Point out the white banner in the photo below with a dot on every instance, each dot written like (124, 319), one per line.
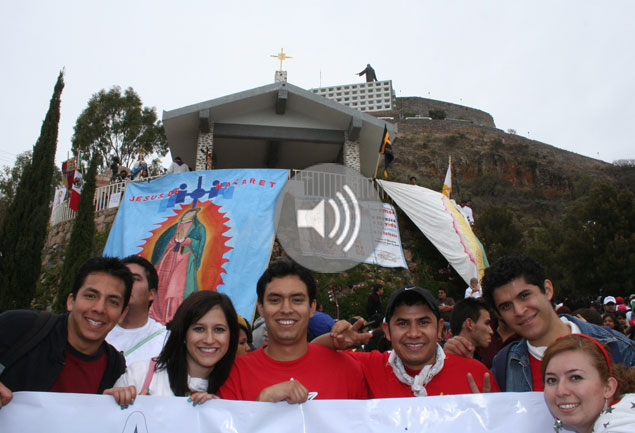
(58, 198)
(442, 223)
(387, 240)
(115, 200)
(378, 242)
(37, 412)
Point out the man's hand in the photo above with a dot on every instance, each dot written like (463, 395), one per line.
(459, 346)
(347, 335)
(290, 391)
(124, 395)
(487, 384)
(5, 395)
(344, 335)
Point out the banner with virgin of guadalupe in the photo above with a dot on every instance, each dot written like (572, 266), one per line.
(202, 230)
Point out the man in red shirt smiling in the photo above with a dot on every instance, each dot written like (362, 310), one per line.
(289, 368)
(417, 366)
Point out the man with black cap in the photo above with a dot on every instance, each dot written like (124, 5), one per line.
(417, 366)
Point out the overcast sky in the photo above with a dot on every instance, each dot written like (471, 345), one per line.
(561, 72)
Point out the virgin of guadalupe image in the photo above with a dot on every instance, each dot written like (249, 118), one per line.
(177, 256)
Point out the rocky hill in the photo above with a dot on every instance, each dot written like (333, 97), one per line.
(490, 165)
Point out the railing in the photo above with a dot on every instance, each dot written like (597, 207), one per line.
(316, 183)
(101, 201)
(322, 184)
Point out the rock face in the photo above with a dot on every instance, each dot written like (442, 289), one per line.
(481, 153)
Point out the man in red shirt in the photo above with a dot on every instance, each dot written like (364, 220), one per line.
(289, 368)
(417, 366)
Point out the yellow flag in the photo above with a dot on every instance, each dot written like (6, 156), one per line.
(447, 183)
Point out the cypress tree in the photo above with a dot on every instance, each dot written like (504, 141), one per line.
(80, 246)
(23, 230)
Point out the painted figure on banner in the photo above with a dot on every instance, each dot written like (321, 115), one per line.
(177, 257)
(191, 239)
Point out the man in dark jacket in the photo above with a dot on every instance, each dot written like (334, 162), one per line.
(73, 356)
(370, 74)
(373, 304)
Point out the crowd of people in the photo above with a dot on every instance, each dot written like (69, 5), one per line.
(505, 335)
(140, 170)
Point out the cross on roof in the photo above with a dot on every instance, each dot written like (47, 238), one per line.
(281, 56)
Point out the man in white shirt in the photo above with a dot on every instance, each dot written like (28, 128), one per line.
(137, 335)
(474, 289)
(467, 211)
(178, 166)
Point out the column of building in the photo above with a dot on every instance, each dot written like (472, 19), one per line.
(204, 149)
(351, 153)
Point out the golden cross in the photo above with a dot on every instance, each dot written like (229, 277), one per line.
(281, 56)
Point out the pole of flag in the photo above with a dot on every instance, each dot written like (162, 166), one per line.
(377, 166)
(385, 140)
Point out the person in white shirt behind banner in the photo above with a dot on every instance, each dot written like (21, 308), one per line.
(137, 335)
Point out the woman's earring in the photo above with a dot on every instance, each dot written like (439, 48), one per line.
(557, 425)
(606, 405)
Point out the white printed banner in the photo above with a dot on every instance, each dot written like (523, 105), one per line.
(36, 412)
(387, 241)
(115, 200)
(378, 242)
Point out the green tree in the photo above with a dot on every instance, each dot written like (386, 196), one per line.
(9, 180)
(23, 229)
(80, 245)
(10, 176)
(437, 114)
(499, 232)
(598, 243)
(542, 242)
(116, 124)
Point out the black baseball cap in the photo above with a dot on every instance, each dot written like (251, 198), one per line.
(425, 296)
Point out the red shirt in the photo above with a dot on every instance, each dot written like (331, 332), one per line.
(452, 379)
(82, 374)
(536, 374)
(328, 373)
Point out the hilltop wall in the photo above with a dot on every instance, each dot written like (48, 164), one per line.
(416, 106)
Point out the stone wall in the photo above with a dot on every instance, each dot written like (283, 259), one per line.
(415, 106)
(204, 151)
(351, 154)
(59, 235)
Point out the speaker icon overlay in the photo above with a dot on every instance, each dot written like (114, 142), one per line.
(315, 218)
(324, 217)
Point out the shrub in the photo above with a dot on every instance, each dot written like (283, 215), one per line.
(437, 114)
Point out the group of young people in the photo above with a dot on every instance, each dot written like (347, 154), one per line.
(198, 358)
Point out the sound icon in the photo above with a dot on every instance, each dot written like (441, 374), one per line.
(316, 218)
